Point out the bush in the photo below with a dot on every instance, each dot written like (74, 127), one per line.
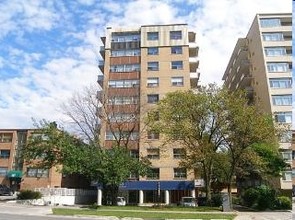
(266, 198)
(236, 200)
(216, 200)
(261, 198)
(283, 202)
(250, 197)
(28, 194)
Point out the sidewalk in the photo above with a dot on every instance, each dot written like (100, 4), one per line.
(13, 207)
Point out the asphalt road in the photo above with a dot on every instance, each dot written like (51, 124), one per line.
(32, 217)
(13, 211)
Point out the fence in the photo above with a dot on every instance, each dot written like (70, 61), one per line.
(65, 196)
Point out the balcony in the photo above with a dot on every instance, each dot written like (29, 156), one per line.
(245, 81)
(103, 40)
(191, 37)
(101, 65)
(193, 50)
(102, 51)
(194, 79)
(100, 80)
(193, 64)
(99, 96)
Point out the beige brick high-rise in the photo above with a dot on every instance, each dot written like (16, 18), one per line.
(140, 66)
(261, 63)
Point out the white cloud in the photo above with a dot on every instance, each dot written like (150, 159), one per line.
(219, 24)
(48, 77)
(18, 15)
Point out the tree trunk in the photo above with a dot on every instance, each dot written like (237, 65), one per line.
(207, 179)
(229, 188)
(114, 195)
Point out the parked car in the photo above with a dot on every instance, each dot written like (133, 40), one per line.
(121, 201)
(188, 201)
(5, 190)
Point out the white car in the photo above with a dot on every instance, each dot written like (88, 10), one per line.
(189, 201)
(121, 201)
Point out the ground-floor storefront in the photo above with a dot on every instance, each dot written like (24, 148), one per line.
(153, 192)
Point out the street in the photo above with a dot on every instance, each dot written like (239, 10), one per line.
(14, 211)
(50, 217)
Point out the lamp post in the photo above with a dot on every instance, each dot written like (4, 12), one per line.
(159, 192)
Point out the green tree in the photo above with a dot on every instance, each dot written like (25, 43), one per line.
(115, 167)
(50, 146)
(245, 125)
(194, 121)
(218, 129)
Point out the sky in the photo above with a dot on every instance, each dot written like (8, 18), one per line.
(50, 48)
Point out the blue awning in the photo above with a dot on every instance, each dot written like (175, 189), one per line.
(153, 185)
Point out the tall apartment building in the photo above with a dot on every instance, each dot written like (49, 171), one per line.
(261, 63)
(140, 65)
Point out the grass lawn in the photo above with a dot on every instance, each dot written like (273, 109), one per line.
(148, 212)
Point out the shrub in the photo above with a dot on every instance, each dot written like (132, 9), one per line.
(216, 200)
(250, 197)
(236, 200)
(283, 202)
(261, 197)
(28, 194)
(266, 198)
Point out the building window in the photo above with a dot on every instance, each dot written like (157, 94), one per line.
(153, 51)
(4, 154)
(134, 153)
(153, 153)
(153, 35)
(287, 155)
(176, 50)
(179, 173)
(124, 135)
(123, 83)
(123, 100)
(153, 98)
(125, 37)
(121, 53)
(176, 65)
(37, 172)
(122, 117)
(270, 22)
(273, 36)
(154, 173)
(177, 81)
(125, 68)
(175, 35)
(277, 67)
(283, 117)
(153, 82)
(6, 137)
(285, 137)
(178, 153)
(152, 135)
(287, 175)
(282, 100)
(280, 83)
(3, 171)
(153, 66)
(275, 51)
